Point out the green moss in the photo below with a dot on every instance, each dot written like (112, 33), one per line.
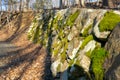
(88, 53)
(71, 19)
(98, 57)
(87, 39)
(85, 33)
(31, 32)
(65, 47)
(63, 57)
(55, 25)
(109, 21)
(55, 52)
(58, 67)
(71, 62)
(56, 49)
(36, 33)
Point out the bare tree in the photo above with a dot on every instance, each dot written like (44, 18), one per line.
(61, 5)
(82, 3)
(105, 2)
(27, 4)
(1, 11)
(110, 3)
(0, 5)
(77, 3)
(9, 4)
(20, 7)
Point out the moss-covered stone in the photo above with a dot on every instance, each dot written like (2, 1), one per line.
(109, 21)
(88, 53)
(39, 30)
(58, 29)
(86, 31)
(71, 19)
(86, 40)
(98, 57)
(35, 31)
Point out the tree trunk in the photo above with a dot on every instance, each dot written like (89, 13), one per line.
(82, 3)
(105, 3)
(61, 4)
(77, 3)
(0, 5)
(27, 4)
(1, 11)
(111, 3)
(20, 7)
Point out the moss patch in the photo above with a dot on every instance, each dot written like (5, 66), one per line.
(109, 21)
(88, 53)
(85, 33)
(98, 57)
(71, 19)
(85, 42)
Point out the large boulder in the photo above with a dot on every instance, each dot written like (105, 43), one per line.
(112, 63)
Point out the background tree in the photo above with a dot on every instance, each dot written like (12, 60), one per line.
(0, 11)
(20, 7)
(61, 4)
(110, 3)
(82, 3)
(0, 5)
(105, 2)
(27, 4)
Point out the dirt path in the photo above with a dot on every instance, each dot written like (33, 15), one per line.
(28, 62)
(21, 63)
(6, 47)
(20, 59)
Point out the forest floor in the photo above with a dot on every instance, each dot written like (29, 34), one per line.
(20, 59)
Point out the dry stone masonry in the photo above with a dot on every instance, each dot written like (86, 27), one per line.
(74, 39)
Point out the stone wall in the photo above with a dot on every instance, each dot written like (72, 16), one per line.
(74, 39)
